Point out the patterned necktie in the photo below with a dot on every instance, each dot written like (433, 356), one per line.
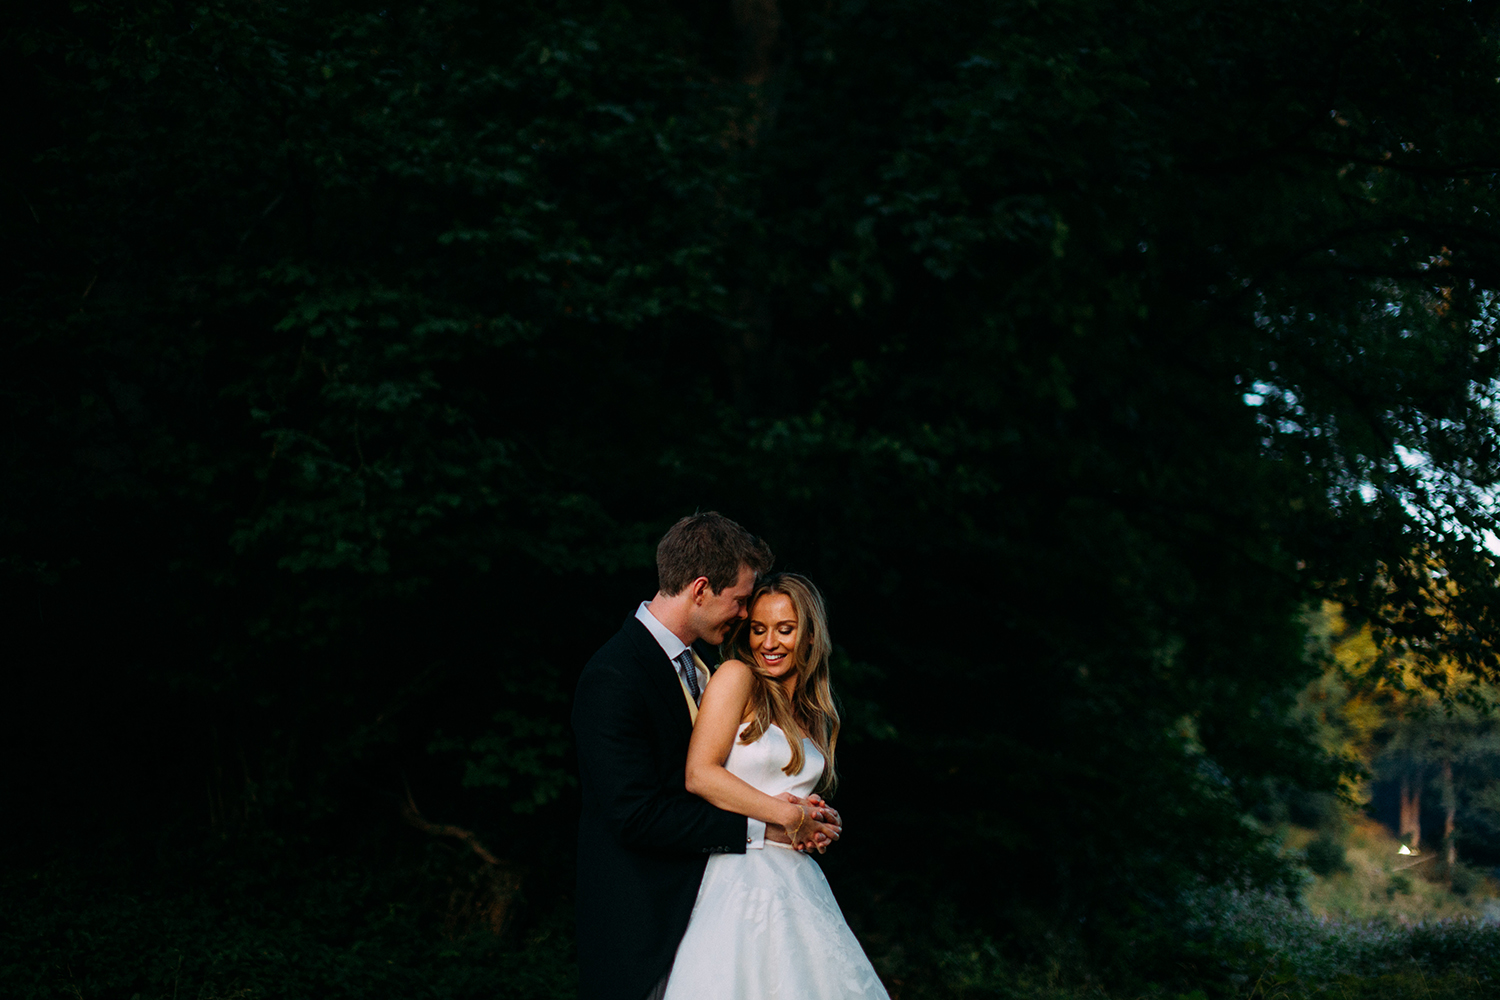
(690, 674)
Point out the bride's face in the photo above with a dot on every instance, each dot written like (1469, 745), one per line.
(773, 634)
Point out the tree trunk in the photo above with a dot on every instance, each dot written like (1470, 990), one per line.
(1450, 807)
(1411, 812)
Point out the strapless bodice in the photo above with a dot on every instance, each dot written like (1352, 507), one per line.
(760, 763)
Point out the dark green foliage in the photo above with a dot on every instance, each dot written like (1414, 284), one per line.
(266, 924)
(356, 357)
(1326, 856)
(1465, 879)
(1452, 986)
(273, 920)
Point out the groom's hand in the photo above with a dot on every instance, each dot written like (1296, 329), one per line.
(825, 812)
(831, 824)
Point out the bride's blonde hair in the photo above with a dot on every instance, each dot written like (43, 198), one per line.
(812, 704)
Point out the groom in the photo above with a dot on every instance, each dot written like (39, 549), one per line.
(643, 841)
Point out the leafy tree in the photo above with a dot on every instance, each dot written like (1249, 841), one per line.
(1385, 714)
(1343, 710)
(359, 356)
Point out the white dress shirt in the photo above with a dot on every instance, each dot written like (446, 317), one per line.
(755, 830)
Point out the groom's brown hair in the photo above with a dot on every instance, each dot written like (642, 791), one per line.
(711, 545)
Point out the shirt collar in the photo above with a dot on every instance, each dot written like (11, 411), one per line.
(669, 643)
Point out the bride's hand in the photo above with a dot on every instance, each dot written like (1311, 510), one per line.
(820, 811)
(830, 824)
(826, 812)
(804, 830)
(817, 835)
(817, 808)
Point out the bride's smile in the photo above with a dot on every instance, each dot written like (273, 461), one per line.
(773, 634)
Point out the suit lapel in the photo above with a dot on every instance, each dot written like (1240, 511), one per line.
(702, 651)
(661, 673)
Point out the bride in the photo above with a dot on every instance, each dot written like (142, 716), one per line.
(765, 923)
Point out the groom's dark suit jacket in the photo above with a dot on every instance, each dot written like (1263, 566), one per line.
(643, 840)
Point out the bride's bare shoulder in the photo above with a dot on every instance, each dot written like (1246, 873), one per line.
(735, 679)
(734, 671)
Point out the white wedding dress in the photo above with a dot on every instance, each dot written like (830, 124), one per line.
(765, 924)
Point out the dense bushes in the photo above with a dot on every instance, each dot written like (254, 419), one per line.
(259, 921)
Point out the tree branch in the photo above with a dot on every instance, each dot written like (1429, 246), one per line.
(410, 813)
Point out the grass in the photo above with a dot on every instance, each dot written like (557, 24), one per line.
(1382, 884)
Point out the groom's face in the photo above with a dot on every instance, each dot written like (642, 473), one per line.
(715, 614)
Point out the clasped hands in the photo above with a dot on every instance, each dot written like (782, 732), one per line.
(816, 824)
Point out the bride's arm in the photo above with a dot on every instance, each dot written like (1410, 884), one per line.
(718, 724)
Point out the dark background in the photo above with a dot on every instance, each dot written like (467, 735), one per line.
(357, 356)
